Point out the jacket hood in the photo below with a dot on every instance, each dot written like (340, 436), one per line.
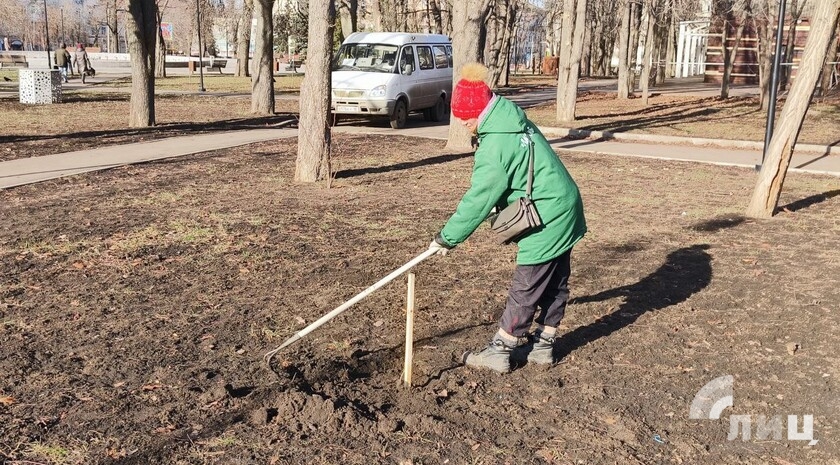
(504, 117)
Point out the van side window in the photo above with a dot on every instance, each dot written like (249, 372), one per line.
(441, 60)
(407, 59)
(424, 54)
(449, 54)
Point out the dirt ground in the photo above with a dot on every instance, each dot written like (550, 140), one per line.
(136, 305)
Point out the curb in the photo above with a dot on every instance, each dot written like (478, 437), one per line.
(722, 143)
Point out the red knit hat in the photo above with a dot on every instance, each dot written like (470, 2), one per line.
(471, 93)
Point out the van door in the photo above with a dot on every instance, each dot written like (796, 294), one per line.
(427, 76)
(408, 76)
(443, 65)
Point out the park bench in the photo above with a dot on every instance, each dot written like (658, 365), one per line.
(214, 63)
(13, 60)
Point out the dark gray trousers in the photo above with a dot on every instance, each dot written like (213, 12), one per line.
(544, 286)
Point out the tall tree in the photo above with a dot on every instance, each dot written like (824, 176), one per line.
(740, 11)
(142, 39)
(762, 20)
(160, 45)
(625, 89)
(348, 11)
(568, 73)
(467, 23)
(314, 135)
(777, 159)
(243, 39)
(650, 43)
(111, 7)
(833, 51)
(499, 25)
(262, 82)
(795, 10)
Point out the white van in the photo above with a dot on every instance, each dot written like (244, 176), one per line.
(392, 74)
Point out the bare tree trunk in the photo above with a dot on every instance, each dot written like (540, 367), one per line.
(568, 73)
(586, 52)
(142, 38)
(160, 50)
(765, 47)
(772, 175)
(833, 50)
(504, 57)
(314, 135)
(786, 71)
(671, 52)
(113, 29)
(496, 28)
(243, 39)
(650, 41)
(436, 19)
(348, 12)
(467, 22)
(624, 90)
(665, 34)
(633, 48)
(729, 57)
(599, 42)
(262, 82)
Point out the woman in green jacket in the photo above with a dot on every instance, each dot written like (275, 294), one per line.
(499, 177)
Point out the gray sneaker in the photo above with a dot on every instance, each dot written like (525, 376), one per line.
(538, 350)
(496, 356)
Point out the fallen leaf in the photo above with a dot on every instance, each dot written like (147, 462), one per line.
(78, 265)
(7, 400)
(300, 320)
(151, 387)
(378, 323)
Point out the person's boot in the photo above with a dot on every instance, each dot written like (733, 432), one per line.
(539, 350)
(542, 349)
(496, 356)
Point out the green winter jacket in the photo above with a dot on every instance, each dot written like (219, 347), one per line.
(499, 177)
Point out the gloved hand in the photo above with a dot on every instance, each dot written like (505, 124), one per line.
(438, 246)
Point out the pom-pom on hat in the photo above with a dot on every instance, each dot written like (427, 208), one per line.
(471, 93)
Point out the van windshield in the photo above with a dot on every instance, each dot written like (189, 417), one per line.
(366, 57)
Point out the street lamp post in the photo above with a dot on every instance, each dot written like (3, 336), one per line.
(200, 48)
(774, 83)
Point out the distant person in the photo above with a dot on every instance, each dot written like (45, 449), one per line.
(62, 61)
(81, 61)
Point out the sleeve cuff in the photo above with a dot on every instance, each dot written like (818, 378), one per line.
(440, 240)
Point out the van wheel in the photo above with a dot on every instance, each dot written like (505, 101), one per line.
(438, 112)
(400, 115)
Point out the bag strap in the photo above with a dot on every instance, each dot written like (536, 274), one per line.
(530, 166)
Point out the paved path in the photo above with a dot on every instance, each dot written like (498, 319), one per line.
(35, 169)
